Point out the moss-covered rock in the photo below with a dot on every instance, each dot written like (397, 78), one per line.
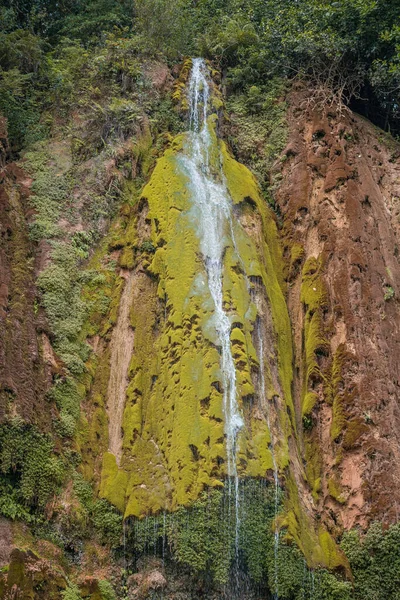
(173, 443)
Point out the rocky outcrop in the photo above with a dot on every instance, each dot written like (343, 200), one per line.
(339, 199)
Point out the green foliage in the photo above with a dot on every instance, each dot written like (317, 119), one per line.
(10, 503)
(20, 57)
(60, 287)
(203, 536)
(375, 562)
(71, 593)
(106, 590)
(389, 293)
(147, 246)
(21, 50)
(20, 108)
(342, 46)
(108, 84)
(66, 425)
(30, 473)
(94, 17)
(104, 518)
(256, 533)
(228, 38)
(258, 118)
(95, 46)
(50, 192)
(76, 18)
(165, 25)
(65, 395)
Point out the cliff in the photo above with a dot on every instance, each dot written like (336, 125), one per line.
(110, 365)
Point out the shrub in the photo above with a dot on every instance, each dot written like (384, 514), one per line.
(28, 464)
(106, 590)
(71, 593)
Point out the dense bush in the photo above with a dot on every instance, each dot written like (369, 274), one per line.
(53, 52)
(30, 472)
(375, 562)
(102, 516)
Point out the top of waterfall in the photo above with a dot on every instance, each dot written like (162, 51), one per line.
(199, 91)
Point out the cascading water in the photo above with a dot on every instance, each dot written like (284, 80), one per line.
(211, 198)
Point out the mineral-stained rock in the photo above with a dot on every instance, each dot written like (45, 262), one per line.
(339, 198)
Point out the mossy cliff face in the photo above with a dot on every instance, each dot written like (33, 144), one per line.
(317, 391)
(173, 430)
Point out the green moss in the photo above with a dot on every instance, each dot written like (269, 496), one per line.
(174, 376)
(266, 259)
(355, 428)
(173, 442)
(313, 463)
(179, 90)
(113, 481)
(335, 490)
(309, 402)
(313, 297)
(316, 544)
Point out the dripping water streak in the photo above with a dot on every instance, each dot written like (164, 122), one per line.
(275, 466)
(124, 542)
(214, 208)
(312, 587)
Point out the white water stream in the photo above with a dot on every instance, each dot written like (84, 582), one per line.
(211, 198)
(214, 207)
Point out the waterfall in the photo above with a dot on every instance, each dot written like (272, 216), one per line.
(210, 196)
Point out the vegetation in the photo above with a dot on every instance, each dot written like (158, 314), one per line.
(202, 539)
(375, 561)
(30, 472)
(71, 593)
(51, 52)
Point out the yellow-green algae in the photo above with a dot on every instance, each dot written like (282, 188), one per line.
(314, 298)
(173, 422)
(314, 541)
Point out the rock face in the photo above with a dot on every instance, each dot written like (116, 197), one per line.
(339, 199)
(24, 372)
